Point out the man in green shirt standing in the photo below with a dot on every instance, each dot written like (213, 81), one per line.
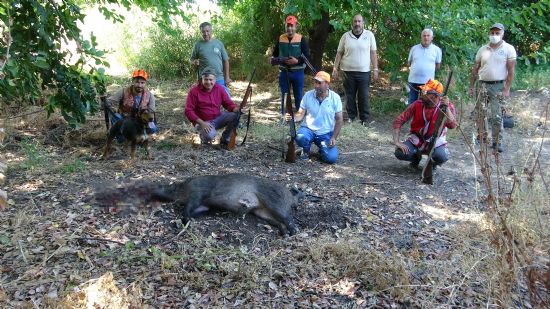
(211, 53)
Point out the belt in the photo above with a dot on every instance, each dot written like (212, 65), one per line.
(492, 82)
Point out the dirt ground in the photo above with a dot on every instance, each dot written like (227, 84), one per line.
(54, 238)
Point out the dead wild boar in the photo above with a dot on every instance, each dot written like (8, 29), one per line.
(237, 193)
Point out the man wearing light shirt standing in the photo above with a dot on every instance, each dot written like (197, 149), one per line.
(424, 59)
(495, 68)
(356, 51)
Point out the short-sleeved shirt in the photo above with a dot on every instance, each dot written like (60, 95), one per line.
(356, 51)
(210, 54)
(423, 61)
(493, 61)
(319, 116)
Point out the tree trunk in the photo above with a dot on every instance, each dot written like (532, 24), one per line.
(318, 36)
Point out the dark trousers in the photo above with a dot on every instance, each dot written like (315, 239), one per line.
(296, 80)
(413, 92)
(226, 119)
(356, 87)
(440, 155)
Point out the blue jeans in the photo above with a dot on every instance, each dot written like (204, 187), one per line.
(296, 79)
(305, 137)
(356, 87)
(226, 119)
(440, 154)
(413, 92)
(222, 83)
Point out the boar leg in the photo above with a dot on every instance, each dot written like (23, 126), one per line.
(265, 214)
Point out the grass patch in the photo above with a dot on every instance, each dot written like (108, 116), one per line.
(165, 145)
(262, 131)
(532, 77)
(35, 154)
(72, 167)
(386, 106)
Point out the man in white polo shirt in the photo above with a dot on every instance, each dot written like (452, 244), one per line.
(321, 112)
(424, 59)
(356, 51)
(494, 67)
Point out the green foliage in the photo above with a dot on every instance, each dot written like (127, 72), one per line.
(460, 28)
(166, 54)
(532, 77)
(38, 39)
(38, 63)
(35, 154)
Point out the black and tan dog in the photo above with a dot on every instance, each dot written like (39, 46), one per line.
(133, 131)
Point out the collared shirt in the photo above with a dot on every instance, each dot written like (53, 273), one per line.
(423, 61)
(320, 116)
(356, 51)
(205, 105)
(493, 61)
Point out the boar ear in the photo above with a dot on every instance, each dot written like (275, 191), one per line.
(297, 193)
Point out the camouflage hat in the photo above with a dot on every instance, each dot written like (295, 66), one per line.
(208, 71)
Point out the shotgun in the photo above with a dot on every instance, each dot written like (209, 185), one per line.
(291, 147)
(308, 64)
(233, 138)
(427, 172)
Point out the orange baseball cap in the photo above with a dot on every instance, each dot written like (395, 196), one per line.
(322, 76)
(291, 19)
(432, 86)
(140, 73)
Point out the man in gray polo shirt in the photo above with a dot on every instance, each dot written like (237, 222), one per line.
(424, 59)
(494, 67)
(210, 53)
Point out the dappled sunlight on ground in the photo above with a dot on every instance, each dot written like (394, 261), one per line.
(32, 186)
(445, 214)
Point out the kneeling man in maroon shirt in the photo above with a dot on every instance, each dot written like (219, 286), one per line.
(203, 109)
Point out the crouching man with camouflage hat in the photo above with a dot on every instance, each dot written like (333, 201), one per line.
(203, 109)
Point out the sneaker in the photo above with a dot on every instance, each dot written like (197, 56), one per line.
(304, 156)
(500, 148)
(350, 120)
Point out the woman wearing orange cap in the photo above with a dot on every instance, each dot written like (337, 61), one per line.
(423, 113)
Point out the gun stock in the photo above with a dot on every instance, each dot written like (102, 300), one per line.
(427, 172)
(248, 93)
